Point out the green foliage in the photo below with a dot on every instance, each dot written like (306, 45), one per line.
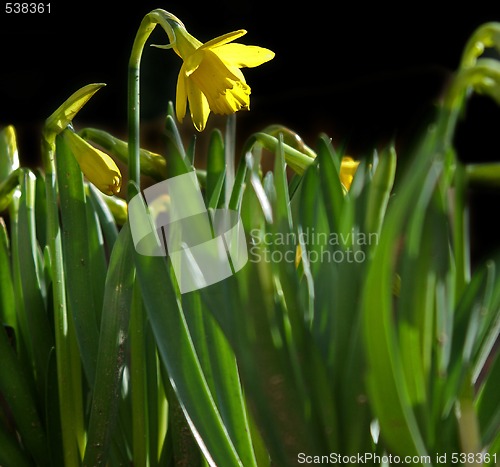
(357, 326)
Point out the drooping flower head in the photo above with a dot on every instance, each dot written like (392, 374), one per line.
(96, 165)
(210, 78)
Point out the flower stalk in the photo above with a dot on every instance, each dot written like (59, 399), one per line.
(147, 26)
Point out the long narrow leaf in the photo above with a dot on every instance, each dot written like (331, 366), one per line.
(19, 395)
(76, 255)
(219, 366)
(179, 356)
(40, 333)
(111, 353)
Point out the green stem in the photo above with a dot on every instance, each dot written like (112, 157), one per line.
(485, 174)
(138, 380)
(133, 100)
(455, 175)
(229, 154)
(461, 232)
(147, 26)
(468, 425)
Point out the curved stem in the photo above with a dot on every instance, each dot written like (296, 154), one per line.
(147, 26)
(133, 98)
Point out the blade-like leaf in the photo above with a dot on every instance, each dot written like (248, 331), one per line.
(75, 243)
(19, 396)
(179, 356)
(111, 352)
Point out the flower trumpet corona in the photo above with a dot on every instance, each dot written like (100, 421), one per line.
(210, 78)
(96, 165)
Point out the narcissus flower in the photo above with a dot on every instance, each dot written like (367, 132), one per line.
(210, 77)
(97, 166)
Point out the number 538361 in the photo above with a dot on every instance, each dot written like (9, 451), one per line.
(27, 8)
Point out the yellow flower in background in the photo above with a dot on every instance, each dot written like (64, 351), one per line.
(210, 77)
(348, 167)
(97, 166)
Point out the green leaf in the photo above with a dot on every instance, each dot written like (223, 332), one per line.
(77, 262)
(40, 334)
(97, 255)
(40, 209)
(387, 386)
(267, 369)
(8, 188)
(139, 380)
(173, 142)
(488, 401)
(19, 395)
(111, 351)
(333, 197)
(67, 360)
(218, 363)
(215, 167)
(7, 300)
(11, 453)
(179, 357)
(380, 190)
(106, 219)
(268, 334)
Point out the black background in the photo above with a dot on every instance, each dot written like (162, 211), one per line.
(362, 74)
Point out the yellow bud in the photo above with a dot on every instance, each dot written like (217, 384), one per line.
(9, 158)
(348, 168)
(97, 166)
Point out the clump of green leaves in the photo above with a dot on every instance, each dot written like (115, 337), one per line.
(356, 326)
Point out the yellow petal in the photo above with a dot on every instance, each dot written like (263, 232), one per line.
(181, 96)
(192, 62)
(198, 106)
(97, 166)
(210, 76)
(241, 55)
(298, 256)
(224, 91)
(348, 167)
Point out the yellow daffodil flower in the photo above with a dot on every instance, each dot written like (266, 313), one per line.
(210, 77)
(97, 166)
